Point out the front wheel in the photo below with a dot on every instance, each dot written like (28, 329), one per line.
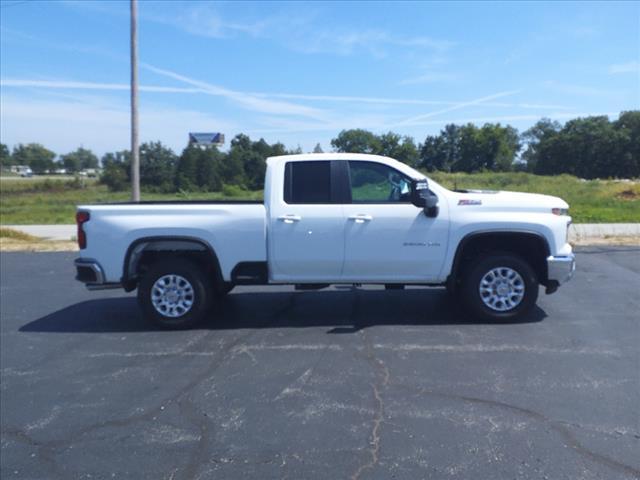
(174, 294)
(499, 286)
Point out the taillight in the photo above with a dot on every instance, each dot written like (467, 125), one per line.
(81, 218)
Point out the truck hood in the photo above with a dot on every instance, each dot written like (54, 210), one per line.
(507, 201)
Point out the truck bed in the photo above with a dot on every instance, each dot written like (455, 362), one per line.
(236, 231)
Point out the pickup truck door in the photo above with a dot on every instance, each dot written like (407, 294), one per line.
(306, 226)
(387, 238)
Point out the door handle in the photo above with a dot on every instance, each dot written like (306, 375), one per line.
(289, 218)
(361, 218)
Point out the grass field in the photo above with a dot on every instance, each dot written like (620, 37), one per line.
(29, 202)
(590, 201)
(38, 201)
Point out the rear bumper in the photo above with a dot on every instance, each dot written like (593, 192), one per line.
(560, 269)
(89, 272)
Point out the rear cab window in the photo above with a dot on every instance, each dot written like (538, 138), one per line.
(307, 182)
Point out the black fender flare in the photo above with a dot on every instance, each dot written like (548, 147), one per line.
(164, 243)
(457, 259)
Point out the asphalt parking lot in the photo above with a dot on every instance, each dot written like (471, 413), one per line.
(341, 383)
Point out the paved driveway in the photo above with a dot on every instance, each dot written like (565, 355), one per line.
(333, 384)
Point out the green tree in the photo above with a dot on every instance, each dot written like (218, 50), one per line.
(318, 148)
(232, 169)
(116, 170)
(498, 147)
(115, 178)
(541, 132)
(5, 156)
(254, 170)
(209, 167)
(79, 159)
(468, 148)
(157, 166)
(442, 151)
(469, 155)
(278, 149)
(629, 125)
(187, 169)
(241, 141)
(261, 147)
(35, 156)
(585, 147)
(403, 149)
(356, 141)
(121, 158)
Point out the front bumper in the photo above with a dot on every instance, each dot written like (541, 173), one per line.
(560, 269)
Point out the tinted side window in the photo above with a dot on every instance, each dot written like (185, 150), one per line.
(377, 183)
(307, 182)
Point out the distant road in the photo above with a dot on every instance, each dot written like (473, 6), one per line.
(43, 177)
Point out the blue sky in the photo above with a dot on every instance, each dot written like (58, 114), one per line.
(300, 72)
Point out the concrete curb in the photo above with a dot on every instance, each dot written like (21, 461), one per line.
(47, 232)
(579, 232)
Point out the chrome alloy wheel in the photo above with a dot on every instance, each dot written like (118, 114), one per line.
(501, 289)
(172, 296)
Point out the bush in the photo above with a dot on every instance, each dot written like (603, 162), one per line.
(115, 178)
(233, 191)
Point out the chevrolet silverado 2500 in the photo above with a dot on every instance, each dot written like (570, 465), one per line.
(330, 219)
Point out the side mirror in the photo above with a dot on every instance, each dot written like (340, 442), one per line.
(424, 198)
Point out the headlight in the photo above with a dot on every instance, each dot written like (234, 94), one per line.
(560, 211)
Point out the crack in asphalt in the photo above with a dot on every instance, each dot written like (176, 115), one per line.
(381, 377)
(48, 449)
(559, 427)
(201, 421)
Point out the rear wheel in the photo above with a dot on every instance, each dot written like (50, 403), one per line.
(499, 286)
(175, 294)
(224, 288)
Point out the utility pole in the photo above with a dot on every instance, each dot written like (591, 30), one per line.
(135, 154)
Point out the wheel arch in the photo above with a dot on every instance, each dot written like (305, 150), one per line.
(532, 246)
(145, 248)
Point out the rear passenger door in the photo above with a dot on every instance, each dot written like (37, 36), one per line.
(306, 234)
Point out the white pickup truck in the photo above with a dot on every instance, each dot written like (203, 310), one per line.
(330, 219)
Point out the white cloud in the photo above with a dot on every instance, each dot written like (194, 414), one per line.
(579, 90)
(314, 40)
(63, 125)
(302, 33)
(81, 85)
(513, 118)
(628, 67)
(432, 77)
(245, 100)
(203, 21)
(72, 85)
(477, 101)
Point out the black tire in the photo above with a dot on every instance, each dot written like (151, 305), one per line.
(200, 294)
(224, 288)
(469, 291)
